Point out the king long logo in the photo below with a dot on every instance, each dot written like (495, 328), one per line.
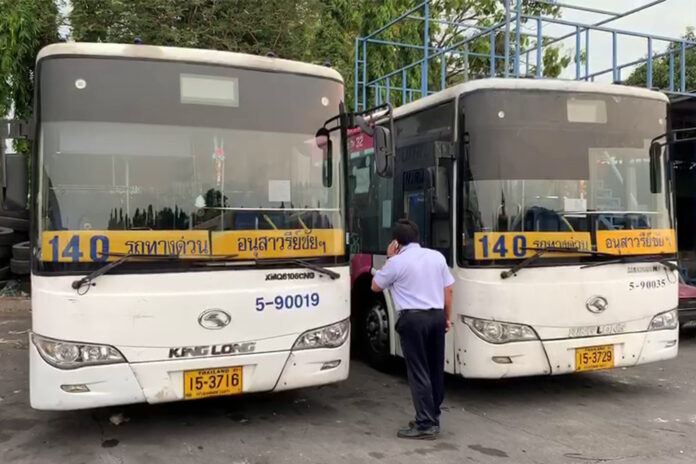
(211, 350)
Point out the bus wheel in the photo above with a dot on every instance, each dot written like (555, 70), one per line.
(376, 331)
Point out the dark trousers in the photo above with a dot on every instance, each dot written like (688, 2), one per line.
(422, 336)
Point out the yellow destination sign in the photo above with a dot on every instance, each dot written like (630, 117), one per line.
(86, 246)
(519, 245)
(637, 242)
(107, 245)
(259, 244)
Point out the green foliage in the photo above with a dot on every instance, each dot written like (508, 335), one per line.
(639, 77)
(25, 27)
(309, 30)
(247, 26)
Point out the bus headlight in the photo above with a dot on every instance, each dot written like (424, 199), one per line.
(331, 336)
(665, 321)
(499, 332)
(71, 355)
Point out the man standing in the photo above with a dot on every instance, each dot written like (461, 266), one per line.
(421, 286)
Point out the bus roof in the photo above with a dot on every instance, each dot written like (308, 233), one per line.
(526, 84)
(189, 55)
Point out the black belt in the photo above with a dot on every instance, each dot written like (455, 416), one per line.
(419, 310)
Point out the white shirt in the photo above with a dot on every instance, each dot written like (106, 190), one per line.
(417, 278)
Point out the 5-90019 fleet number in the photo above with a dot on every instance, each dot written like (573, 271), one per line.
(281, 302)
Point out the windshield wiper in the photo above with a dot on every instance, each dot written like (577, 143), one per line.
(541, 251)
(306, 264)
(87, 280)
(666, 262)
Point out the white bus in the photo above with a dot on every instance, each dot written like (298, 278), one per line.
(188, 235)
(550, 202)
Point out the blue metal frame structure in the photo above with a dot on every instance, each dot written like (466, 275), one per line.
(524, 36)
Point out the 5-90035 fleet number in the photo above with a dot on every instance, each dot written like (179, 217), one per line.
(649, 284)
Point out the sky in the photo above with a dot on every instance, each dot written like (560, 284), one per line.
(669, 19)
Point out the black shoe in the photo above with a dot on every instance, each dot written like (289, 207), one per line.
(436, 428)
(415, 433)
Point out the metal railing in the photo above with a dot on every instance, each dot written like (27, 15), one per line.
(524, 43)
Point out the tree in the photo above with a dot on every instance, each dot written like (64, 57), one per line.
(660, 72)
(246, 26)
(309, 30)
(25, 27)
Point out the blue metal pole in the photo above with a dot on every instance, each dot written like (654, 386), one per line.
(388, 91)
(526, 71)
(396, 44)
(683, 67)
(650, 64)
(587, 53)
(357, 71)
(577, 53)
(364, 73)
(492, 74)
(426, 49)
(540, 40)
(613, 56)
(405, 84)
(577, 7)
(518, 44)
(443, 71)
(671, 72)
(507, 39)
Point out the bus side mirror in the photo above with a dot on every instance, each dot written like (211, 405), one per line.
(655, 167)
(324, 143)
(384, 151)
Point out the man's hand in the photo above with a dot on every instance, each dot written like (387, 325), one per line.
(392, 249)
(448, 325)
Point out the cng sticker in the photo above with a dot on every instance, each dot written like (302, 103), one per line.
(519, 245)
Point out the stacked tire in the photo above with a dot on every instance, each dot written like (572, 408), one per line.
(14, 248)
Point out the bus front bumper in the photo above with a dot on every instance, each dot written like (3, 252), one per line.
(162, 381)
(477, 358)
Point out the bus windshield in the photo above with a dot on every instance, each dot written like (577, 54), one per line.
(129, 145)
(561, 169)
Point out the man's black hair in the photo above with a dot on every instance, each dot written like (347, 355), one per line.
(405, 231)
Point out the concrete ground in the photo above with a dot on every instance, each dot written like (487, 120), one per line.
(641, 415)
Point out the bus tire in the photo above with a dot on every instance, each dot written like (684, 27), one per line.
(19, 266)
(14, 213)
(375, 330)
(10, 237)
(14, 223)
(20, 251)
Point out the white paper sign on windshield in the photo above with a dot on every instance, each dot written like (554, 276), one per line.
(279, 190)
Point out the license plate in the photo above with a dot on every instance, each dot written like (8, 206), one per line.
(218, 381)
(594, 357)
